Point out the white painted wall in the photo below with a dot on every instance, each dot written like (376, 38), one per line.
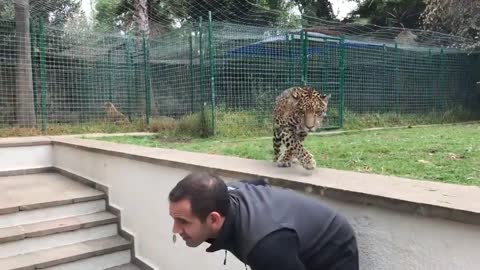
(387, 239)
(140, 191)
(25, 157)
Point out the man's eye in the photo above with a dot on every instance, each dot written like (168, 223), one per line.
(182, 221)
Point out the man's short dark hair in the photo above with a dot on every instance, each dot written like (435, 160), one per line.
(206, 192)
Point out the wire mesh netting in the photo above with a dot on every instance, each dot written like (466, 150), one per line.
(225, 74)
(254, 65)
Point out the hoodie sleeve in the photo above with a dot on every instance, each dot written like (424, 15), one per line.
(276, 251)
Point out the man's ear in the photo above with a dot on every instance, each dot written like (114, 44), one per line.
(214, 218)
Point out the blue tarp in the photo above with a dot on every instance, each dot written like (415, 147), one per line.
(261, 49)
(276, 47)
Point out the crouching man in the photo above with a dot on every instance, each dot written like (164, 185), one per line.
(265, 227)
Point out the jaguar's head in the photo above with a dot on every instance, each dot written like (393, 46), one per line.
(311, 107)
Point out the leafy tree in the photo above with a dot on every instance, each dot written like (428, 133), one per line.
(457, 17)
(128, 15)
(397, 13)
(262, 12)
(78, 25)
(7, 11)
(107, 18)
(315, 8)
(163, 15)
(54, 12)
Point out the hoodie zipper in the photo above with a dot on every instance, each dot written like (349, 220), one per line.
(225, 260)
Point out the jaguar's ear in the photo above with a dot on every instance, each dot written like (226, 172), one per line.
(326, 97)
(295, 94)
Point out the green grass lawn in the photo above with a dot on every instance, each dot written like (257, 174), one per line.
(442, 153)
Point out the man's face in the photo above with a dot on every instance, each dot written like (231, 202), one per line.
(188, 226)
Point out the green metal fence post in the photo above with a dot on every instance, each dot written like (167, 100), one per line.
(303, 37)
(32, 60)
(212, 69)
(397, 79)
(192, 94)
(110, 78)
(202, 77)
(342, 79)
(43, 76)
(130, 75)
(146, 72)
(202, 68)
(90, 90)
(289, 59)
(82, 100)
(325, 73)
(442, 80)
(384, 68)
(430, 67)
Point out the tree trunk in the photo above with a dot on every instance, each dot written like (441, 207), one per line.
(24, 109)
(141, 16)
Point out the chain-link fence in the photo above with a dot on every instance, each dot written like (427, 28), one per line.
(226, 74)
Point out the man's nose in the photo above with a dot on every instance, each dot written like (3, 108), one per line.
(176, 228)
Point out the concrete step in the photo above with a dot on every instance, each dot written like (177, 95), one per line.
(107, 261)
(65, 254)
(45, 228)
(48, 221)
(33, 191)
(124, 267)
(51, 213)
(56, 240)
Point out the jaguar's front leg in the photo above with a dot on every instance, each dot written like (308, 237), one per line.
(306, 159)
(301, 135)
(299, 138)
(277, 143)
(288, 141)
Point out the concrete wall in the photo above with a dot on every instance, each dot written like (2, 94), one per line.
(388, 239)
(16, 158)
(139, 190)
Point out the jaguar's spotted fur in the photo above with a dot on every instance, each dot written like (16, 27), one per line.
(298, 111)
